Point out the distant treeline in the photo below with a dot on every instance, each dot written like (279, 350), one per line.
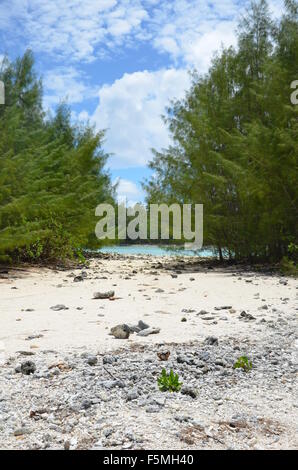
(51, 173)
(235, 142)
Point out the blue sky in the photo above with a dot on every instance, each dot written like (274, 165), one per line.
(119, 63)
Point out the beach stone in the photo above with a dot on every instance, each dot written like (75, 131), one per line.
(86, 404)
(202, 312)
(59, 307)
(153, 409)
(190, 391)
(183, 359)
(132, 395)
(104, 295)
(110, 384)
(28, 367)
(223, 308)
(142, 325)
(22, 431)
(91, 360)
(211, 341)
(109, 359)
(246, 316)
(149, 331)
(121, 331)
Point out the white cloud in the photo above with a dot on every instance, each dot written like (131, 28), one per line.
(187, 30)
(190, 31)
(65, 83)
(128, 192)
(131, 110)
(71, 28)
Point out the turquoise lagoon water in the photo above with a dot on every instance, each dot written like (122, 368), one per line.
(154, 250)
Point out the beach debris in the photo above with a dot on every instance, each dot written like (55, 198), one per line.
(104, 295)
(163, 355)
(29, 338)
(62, 366)
(211, 341)
(58, 307)
(36, 414)
(120, 331)
(28, 367)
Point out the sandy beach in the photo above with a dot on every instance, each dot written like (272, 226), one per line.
(246, 312)
(144, 290)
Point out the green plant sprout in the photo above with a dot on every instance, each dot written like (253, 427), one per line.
(169, 382)
(243, 363)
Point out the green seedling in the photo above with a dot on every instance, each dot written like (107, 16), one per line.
(243, 363)
(169, 382)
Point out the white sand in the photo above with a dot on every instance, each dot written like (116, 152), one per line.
(68, 329)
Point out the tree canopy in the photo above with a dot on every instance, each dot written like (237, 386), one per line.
(235, 141)
(52, 173)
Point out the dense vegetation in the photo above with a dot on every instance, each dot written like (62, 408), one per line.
(235, 142)
(51, 173)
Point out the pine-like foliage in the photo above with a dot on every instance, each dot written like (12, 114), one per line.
(51, 173)
(235, 141)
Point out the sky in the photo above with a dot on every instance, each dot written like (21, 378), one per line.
(119, 63)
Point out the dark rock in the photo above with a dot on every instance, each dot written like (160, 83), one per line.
(104, 295)
(58, 307)
(92, 360)
(86, 404)
(109, 359)
(121, 331)
(149, 331)
(211, 341)
(246, 316)
(28, 367)
(191, 392)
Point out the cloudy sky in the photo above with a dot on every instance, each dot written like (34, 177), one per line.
(120, 62)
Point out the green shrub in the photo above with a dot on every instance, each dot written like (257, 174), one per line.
(289, 267)
(169, 382)
(243, 363)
